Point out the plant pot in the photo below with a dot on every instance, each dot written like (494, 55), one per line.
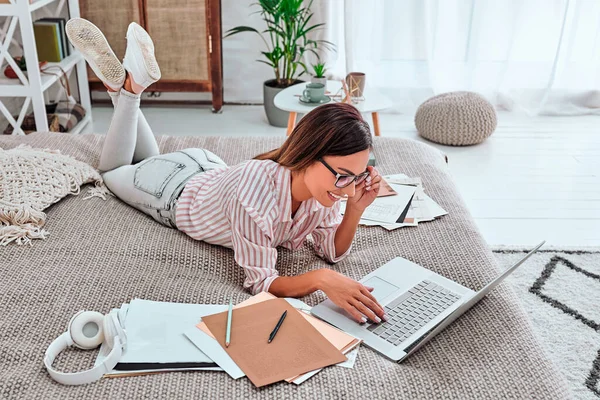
(322, 80)
(275, 116)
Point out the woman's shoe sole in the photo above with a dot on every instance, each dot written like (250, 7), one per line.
(148, 59)
(89, 40)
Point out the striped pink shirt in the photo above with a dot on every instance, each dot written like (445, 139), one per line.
(248, 208)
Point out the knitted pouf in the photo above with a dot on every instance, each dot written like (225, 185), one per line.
(456, 119)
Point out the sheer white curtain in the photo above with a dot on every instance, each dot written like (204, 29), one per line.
(533, 56)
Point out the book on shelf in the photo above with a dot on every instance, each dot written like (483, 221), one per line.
(66, 51)
(50, 39)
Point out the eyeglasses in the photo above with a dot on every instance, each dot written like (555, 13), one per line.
(344, 180)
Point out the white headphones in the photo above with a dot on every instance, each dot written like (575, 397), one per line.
(88, 330)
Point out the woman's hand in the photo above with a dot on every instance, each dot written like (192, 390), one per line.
(366, 192)
(352, 296)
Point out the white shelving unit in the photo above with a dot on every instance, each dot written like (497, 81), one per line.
(33, 86)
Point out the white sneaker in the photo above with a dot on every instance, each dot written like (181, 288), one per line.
(139, 58)
(90, 41)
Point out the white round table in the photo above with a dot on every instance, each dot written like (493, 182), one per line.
(289, 100)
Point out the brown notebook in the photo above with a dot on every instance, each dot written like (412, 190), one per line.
(297, 348)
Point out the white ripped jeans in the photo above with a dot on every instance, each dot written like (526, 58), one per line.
(136, 172)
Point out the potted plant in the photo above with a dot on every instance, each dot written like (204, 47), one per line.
(287, 28)
(319, 74)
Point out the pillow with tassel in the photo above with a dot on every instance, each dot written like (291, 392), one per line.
(33, 179)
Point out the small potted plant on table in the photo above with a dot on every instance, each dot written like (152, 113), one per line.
(319, 74)
(287, 28)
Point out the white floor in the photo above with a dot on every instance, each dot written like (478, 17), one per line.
(534, 178)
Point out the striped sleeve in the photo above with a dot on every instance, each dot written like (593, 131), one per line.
(253, 250)
(324, 235)
(252, 213)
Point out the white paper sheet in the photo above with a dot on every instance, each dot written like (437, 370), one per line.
(117, 374)
(345, 364)
(155, 331)
(303, 378)
(419, 210)
(434, 207)
(403, 179)
(389, 227)
(387, 209)
(349, 363)
(422, 208)
(213, 349)
(155, 335)
(298, 304)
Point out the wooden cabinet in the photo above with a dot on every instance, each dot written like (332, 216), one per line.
(186, 35)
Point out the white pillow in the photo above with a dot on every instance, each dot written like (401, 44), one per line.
(30, 181)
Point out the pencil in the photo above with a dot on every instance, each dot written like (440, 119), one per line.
(228, 334)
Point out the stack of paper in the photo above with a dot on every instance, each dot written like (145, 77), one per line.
(203, 337)
(407, 207)
(155, 340)
(298, 347)
(164, 337)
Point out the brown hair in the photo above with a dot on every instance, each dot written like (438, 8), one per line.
(335, 129)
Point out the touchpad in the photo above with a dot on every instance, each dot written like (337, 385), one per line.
(381, 288)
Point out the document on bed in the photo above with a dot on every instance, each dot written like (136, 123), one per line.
(204, 339)
(387, 210)
(156, 340)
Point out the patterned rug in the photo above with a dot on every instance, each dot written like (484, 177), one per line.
(561, 292)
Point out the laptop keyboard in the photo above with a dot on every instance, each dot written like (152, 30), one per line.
(412, 310)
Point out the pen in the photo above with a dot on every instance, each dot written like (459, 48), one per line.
(272, 335)
(228, 334)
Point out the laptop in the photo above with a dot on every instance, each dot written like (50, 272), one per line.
(419, 304)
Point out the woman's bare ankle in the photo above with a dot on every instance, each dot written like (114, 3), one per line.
(131, 86)
(127, 84)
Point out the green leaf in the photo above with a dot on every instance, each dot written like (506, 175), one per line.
(303, 66)
(287, 24)
(327, 43)
(305, 31)
(240, 29)
(264, 62)
(277, 30)
(313, 51)
(319, 69)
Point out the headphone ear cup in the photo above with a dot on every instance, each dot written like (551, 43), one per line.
(112, 329)
(87, 329)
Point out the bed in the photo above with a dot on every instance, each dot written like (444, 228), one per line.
(101, 254)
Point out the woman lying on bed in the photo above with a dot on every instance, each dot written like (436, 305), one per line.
(277, 199)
